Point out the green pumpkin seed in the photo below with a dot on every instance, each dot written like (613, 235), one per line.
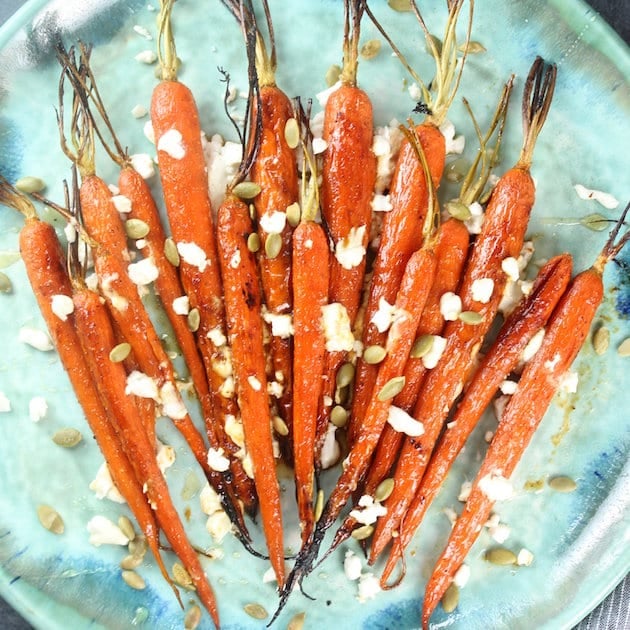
(374, 354)
(170, 252)
(562, 484)
(130, 562)
(437, 42)
(136, 228)
(50, 519)
(384, 489)
(138, 546)
(345, 375)
(273, 245)
(7, 258)
(624, 348)
(392, 388)
(472, 48)
(280, 426)
(601, 340)
(68, 437)
(422, 345)
(500, 556)
(193, 319)
(456, 170)
(192, 619)
(332, 75)
(294, 214)
(595, 222)
(256, 611)
(292, 133)
(319, 505)
(126, 527)
(30, 184)
(246, 190)
(182, 577)
(458, 210)
(400, 5)
(450, 599)
(297, 621)
(253, 242)
(371, 48)
(471, 317)
(339, 416)
(133, 579)
(120, 352)
(363, 532)
(5, 283)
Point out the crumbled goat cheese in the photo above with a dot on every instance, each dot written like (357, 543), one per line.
(143, 164)
(551, 364)
(402, 422)
(269, 576)
(141, 385)
(385, 146)
(352, 566)
(181, 305)
(62, 306)
(384, 316)
(113, 189)
(498, 406)
(142, 31)
(450, 514)
(235, 260)
(512, 294)
(569, 382)
(143, 272)
(381, 203)
(148, 131)
(273, 222)
(234, 429)
(103, 486)
(323, 96)
(146, 56)
(603, 198)
(431, 358)
(493, 521)
(141, 243)
(35, 338)
(415, 92)
(350, 250)
(330, 449)
(533, 345)
(319, 145)
(121, 203)
(165, 457)
(461, 577)
(487, 436)
(510, 268)
(254, 383)
(5, 403)
(524, 558)
(217, 337)
(37, 408)
(327, 401)
(193, 255)
(248, 465)
(450, 306)
(464, 491)
(482, 289)
(508, 387)
(70, 232)
(172, 143)
(477, 216)
(218, 526)
(217, 460)
(454, 144)
(139, 111)
(336, 325)
(104, 532)
(496, 487)
(275, 389)
(209, 500)
(500, 532)
(172, 404)
(227, 388)
(369, 587)
(370, 511)
(281, 325)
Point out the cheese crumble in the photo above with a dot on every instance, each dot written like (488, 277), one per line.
(37, 408)
(62, 306)
(350, 251)
(172, 143)
(336, 325)
(402, 422)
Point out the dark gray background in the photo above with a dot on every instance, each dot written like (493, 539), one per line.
(617, 13)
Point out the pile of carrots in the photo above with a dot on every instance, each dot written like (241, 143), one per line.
(287, 304)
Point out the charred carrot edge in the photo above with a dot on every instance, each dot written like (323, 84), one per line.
(348, 179)
(244, 323)
(565, 334)
(502, 236)
(528, 317)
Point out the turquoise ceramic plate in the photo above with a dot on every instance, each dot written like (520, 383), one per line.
(580, 541)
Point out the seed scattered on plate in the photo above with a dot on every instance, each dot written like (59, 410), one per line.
(120, 352)
(192, 619)
(450, 599)
(193, 319)
(133, 579)
(472, 48)
(170, 252)
(371, 48)
(292, 133)
(294, 214)
(400, 5)
(256, 611)
(422, 345)
(253, 242)
(458, 210)
(297, 621)
(136, 228)
(138, 546)
(50, 519)
(319, 505)
(363, 532)
(374, 354)
(5, 283)
(392, 388)
(67, 437)
(182, 577)
(339, 416)
(273, 245)
(30, 184)
(624, 348)
(500, 556)
(345, 375)
(130, 562)
(471, 317)
(562, 483)
(384, 489)
(246, 190)
(601, 340)
(332, 75)
(126, 527)
(280, 426)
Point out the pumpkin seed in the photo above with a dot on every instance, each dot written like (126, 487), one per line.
(458, 210)
(136, 228)
(363, 532)
(422, 345)
(126, 527)
(246, 190)
(601, 340)
(338, 416)
(192, 619)
(30, 184)
(319, 505)
(273, 245)
(253, 242)
(280, 426)
(67, 437)
(138, 546)
(182, 577)
(472, 48)
(193, 319)
(371, 48)
(450, 599)
(500, 556)
(293, 213)
(345, 375)
(256, 611)
(50, 519)
(7, 258)
(595, 222)
(297, 621)
(400, 5)
(456, 170)
(292, 133)
(562, 484)
(252, 211)
(384, 489)
(471, 317)
(332, 75)
(170, 252)
(120, 352)
(5, 283)
(437, 42)
(624, 348)
(133, 579)
(374, 354)
(131, 562)
(392, 388)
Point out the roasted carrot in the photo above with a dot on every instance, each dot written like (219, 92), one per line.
(501, 237)
(528, 318)
(565, 333)
(348, 179)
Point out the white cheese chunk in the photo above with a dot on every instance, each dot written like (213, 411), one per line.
(510, 267)
(139, 111)
(37, 408)
(461, 577)
(143, 272)
(103, 486)
(454, 144)
(234, 429)
(496, 487)
(319, 145)
(381, 203)
(141, 385)
(273, 222)
(368, 511)
(5, 403)
(402, 422)
(172, 143)
(217, 460)
(104, 532)
(148, 131)
(482, 289)
(181, 305)
(533, 346)
(121, 203)
(254, 383)
(336, 325)
(281, 325)
(143, 164)
(172, 404)
(352, 566)
(384, 316)
(569, 382)
(508, 387)
(603, 198)
(369, 587)
(165, 456)
(193, 255)
(330, 452)
(218, 526)
(524, 558)
(146, 56)
(500, 532)
(217, 337)
(209, 500)
(450, 306)
(35, 338)
(350, 251)
(477, 217)
(62, 306)
(431, 358)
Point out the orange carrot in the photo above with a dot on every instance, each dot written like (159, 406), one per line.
(565, 333)
(501, 237)
(528, 317)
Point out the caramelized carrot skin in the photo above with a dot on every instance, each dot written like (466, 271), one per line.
(244, 325)
(565, 335)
